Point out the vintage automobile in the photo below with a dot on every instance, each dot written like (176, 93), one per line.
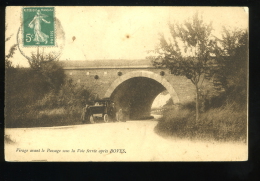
(104, 108)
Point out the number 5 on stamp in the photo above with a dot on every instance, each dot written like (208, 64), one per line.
(38, 26)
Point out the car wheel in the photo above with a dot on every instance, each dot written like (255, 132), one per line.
(106, 119)
(91, 120)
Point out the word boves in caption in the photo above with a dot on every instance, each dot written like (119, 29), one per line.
(48, 150)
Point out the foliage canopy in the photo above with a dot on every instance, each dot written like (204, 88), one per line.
(193, 51)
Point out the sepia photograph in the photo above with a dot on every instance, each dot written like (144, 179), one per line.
(126, 83)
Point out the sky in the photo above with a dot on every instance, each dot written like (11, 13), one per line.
(120, 32)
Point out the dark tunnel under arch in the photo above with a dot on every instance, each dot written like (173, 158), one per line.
(135, 92)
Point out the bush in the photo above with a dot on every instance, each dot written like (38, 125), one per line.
(54, 74)
(33, 93)
(23, 88)
(55, 108)
(223, 124)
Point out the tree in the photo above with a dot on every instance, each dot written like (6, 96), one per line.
(232, 57)
(49, 69)
(188, 52)
(8, 63)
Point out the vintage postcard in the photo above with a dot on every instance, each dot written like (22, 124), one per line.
(95, 84)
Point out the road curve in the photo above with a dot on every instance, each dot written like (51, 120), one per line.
(129, 141)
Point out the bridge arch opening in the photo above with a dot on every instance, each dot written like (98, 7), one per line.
(134, 92)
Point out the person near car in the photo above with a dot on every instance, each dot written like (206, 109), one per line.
(84, 115)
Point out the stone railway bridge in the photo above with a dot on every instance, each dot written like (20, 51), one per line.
(131, 84)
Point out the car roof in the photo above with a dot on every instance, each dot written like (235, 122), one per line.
(102, 100)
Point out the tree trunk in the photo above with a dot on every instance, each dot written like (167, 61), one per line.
(197, 103)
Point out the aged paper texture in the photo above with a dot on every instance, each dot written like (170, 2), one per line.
(126, 84)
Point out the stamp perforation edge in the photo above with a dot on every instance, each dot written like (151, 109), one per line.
(22, 29)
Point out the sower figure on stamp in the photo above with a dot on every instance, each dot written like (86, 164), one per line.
(39, 36)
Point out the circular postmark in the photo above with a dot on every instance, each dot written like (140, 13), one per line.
(40, 36)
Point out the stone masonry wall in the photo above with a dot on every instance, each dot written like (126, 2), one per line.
(182, 86)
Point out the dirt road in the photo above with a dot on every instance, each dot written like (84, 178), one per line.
(120, 141)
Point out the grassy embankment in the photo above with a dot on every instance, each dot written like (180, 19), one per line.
(35, 99)
(40, 114)
(224, 123)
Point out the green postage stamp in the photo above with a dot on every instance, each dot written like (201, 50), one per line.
(38, 26)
